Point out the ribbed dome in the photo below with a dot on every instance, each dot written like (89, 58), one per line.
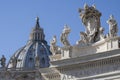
(35, 54)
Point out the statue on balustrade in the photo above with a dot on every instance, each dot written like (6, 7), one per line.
(113, 27)
(84, 40)
(3, 61)
(53, 47)
(14, 62)
(64, 36)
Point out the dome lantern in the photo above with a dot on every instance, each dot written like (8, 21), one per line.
(37, 32)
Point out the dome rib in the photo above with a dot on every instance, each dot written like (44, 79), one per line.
(14, 55)
(26, 55)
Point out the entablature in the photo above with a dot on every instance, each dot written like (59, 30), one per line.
(87, 58)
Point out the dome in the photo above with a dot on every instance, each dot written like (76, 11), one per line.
(35, 54)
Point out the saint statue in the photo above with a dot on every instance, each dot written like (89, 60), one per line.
(64, 36)
(113, 28)
(54, 40)
(14, 62)
(53, 47)
(84, 40)
(102, 36)
(3, 61)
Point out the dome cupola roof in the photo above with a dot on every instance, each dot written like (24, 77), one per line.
(35, 54)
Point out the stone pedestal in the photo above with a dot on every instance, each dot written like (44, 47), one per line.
(66, 52)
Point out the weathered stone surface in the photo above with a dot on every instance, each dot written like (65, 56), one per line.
(96, 56)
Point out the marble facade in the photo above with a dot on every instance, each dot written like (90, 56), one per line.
(96, 56)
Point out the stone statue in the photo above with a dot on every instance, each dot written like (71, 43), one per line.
(113, 27)
(3, 61)
(64, 36)
(84, 40)
(53, 47)
(14, 62)
(54, 41)
(102, 36)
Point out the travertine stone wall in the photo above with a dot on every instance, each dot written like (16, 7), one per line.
(90, 68)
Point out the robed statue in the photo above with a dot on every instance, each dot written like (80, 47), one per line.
(113, 27)
(3, 61)
(64, 36)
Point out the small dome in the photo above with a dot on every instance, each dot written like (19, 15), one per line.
(34, 54)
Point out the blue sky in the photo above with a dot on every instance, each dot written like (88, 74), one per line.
(17, 17)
